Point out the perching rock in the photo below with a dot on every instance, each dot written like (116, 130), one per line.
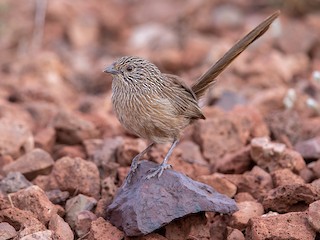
(146, 205)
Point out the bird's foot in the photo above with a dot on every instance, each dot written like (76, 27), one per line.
(133, 169)
(157, 171)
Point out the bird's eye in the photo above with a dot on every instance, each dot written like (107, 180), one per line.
(129, 68)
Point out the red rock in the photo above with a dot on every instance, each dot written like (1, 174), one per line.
(83, 222)
(192, 226)
(190, 152)
(46, 182)
(100, 210)
(101, 229)
(43, 235)
(15, 138)
(272, 156)
(152, 236)
(104, 156)
(34, 163)
(42, 113)
(306, 174)
(57, 196)
(293, 197)
(69, 172)
(314, 215)
(73, 151)
(4, 160)
(250, 122)
(108, 187)
(285, 177)
(237, 162)
(71, 128)
(234, 234)
(285, 126)
(257, 182)
(129, 149)
(315, 168)
(292, 225)
(243, 197)
(247, 210)
(217, 136)
(36, 201)
(13, 182)
(24, 220)
(76, 205)
(61, 229)
(219, 183)
(45, 139)
(295, 30)
(309, 149)
(7, 231)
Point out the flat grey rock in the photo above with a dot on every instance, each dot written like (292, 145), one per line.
(145, 205)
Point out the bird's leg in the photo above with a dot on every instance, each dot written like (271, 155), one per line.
(164, 165)
(135, 163)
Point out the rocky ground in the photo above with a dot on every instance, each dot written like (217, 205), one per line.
(63, 153)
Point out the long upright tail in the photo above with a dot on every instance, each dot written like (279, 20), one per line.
(209, 77)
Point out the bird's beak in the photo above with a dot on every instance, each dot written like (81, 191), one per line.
(111, 69)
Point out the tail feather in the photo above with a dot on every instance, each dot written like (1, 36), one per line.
(209, 77)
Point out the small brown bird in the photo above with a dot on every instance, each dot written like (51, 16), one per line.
(158, 106)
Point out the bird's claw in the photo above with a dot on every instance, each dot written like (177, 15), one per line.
(157, 171)
(133, 169)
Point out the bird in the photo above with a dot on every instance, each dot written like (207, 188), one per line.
(157, 106)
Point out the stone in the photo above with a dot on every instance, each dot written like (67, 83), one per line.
(309, 149)
(34, 163)
(152, 236)
(109, 187)
(217, 136)
(273, 156)
(61, 229)
(83, 222)
(314, 215)
(219, 183)
(188, 227)
(7, 231)
(129, 149)
(76, 205)
(257, 182)
(285, 126)
(71, 128)
(56, 196)
(24, 220)
(243, 197)
(73, 151)
(191, 153)
(69, 172)
(101, 229)
(14, 182)
(285, 177)
(15, 138)
(4, 160)
(315, 168)
(45, 139)
(35, 200)
(43, 235)
(293, 197)
(235, 163)
(292, 225)
(247, 210)
(156, 202)
(234, 234)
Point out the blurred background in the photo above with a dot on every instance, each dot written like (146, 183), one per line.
(54, 51)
